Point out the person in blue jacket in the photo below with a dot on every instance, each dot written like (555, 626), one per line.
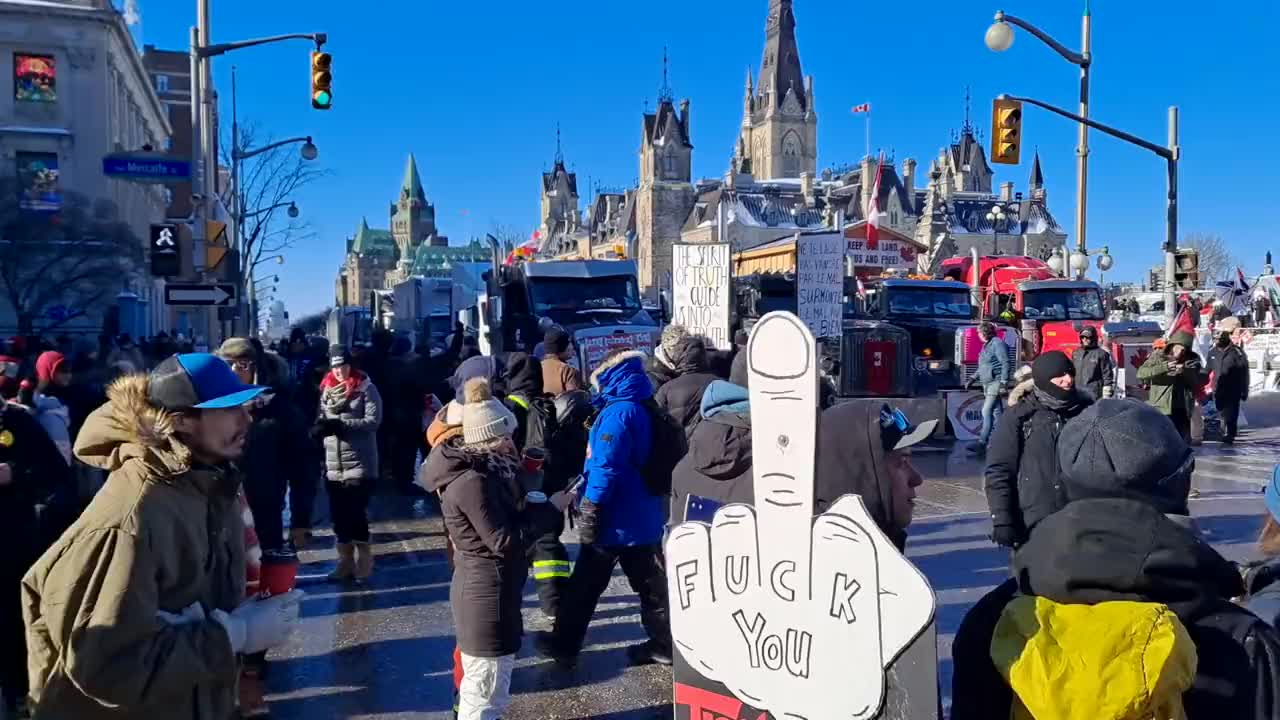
(620, 521)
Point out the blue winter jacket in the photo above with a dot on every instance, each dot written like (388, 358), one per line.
(619, 445)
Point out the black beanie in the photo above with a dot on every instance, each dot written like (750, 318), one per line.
(555, 341)
(1048, 366)
(1125, 449)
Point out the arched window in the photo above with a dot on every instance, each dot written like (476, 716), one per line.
(791, 152)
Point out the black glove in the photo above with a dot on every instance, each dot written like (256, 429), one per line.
(588, 522)
(1007, 536)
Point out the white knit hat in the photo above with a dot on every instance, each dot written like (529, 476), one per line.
(483, 417)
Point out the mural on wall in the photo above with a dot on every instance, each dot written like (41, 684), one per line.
(38, 181)
(35, 78)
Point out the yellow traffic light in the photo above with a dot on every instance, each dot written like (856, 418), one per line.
(321, 80)
(1006, 132)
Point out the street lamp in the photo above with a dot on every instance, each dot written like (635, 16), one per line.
(1055, 261)
(1079, 262)
(1000, 222)
(999, 38)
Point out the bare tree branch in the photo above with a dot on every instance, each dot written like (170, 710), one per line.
(1216, 260)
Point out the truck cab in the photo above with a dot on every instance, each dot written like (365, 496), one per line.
(595, 301)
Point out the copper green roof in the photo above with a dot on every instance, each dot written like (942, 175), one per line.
(372, 242)
(435, 261)
(411, 186)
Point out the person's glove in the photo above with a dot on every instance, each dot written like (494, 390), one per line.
(259, 625)
(1006, 536)
(588, 522)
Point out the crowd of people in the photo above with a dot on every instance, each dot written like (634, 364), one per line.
(139, 502)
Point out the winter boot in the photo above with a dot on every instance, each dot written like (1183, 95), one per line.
(364, 561)
(346, 563)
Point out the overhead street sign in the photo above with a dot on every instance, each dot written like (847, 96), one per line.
(147, 167)
(213, 294)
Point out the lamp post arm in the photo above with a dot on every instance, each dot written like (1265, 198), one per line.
(256, 213)
(1071, 55)
(238, 154)
(207, 51)
(1162, 151)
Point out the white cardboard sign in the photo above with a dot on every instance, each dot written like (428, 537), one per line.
(820, 283)
(964, 409)
(796, 615)
(700, 290)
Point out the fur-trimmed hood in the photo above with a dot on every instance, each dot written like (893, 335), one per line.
(622, 377)
(1020, 391)
(613, 362)
(129, 430)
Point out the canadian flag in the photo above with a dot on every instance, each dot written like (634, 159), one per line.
(863, 108)
(873, 210)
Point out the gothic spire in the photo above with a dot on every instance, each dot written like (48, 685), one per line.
(664, 92)
(411, 186)
(559, 149)
(1037, 177)
(780, 70)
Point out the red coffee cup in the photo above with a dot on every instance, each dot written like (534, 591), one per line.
(279, 572)
(534, 459)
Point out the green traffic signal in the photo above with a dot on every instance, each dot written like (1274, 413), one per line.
(321, 80)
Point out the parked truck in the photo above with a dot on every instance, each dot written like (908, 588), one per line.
(1024, 293)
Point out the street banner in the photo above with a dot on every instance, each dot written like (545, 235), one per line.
(964, 410)
(594, 345)
(700, 291)
(778, 614)
(820, 283)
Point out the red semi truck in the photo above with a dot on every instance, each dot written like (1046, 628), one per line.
(1024, 292)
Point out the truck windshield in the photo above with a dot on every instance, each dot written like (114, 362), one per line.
(1063, 304)
(566, 296)
(926, 302)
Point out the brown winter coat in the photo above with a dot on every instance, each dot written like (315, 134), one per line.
(559, 377)
(161, 535)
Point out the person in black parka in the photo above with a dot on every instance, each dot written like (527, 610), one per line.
(1230, 367)
(681, 396)
(718, 464)
(1022, 483)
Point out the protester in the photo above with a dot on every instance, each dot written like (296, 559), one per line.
(1262, 578)
(127, 352)
(994, 370)
(1116, 601)
(34, 479)
(620, 520)
(350, 413)
(53, 375)
(864, 448)
(1095, 368)
(278, 452)
(1175, 375)
(661, 368)
(485, 513)
(718, 466)
(558, 376)
(681, 395)
(138, 610)
(1021, 483)
(1230, 368)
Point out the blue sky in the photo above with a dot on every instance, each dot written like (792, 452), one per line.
(475, 91)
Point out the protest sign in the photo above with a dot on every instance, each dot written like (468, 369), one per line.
(820, 282)
(777, 613)
(700, 291)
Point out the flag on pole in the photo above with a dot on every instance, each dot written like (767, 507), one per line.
(862, 289)
(873, 210)
(863, 108)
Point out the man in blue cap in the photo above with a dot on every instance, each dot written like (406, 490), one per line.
(137, 611)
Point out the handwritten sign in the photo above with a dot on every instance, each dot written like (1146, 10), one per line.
(595, 347)
(888, 254)
(820, 283)
(795, 615)
(700, 291)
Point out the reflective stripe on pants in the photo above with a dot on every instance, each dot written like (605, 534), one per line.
(547, 569)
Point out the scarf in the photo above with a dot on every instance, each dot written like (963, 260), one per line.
(336, 393)
(1068, 399)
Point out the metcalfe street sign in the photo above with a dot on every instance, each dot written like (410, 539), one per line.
(165, 259)
(212, 294)
(147, 167)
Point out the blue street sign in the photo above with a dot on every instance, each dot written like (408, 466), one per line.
(147, 167)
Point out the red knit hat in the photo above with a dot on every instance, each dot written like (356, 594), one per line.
(47, 365)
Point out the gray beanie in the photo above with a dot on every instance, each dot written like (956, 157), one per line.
(483, 417)
(673, 339)
(1126, 449)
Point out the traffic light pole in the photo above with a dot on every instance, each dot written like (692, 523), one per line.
(1171, 154)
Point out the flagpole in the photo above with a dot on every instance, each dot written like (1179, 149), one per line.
(867, 122)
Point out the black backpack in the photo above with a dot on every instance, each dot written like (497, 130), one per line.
(669, 444)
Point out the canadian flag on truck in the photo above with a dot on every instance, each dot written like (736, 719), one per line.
(873, 210)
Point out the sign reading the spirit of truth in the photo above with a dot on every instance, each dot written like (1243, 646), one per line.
(820, 283)
(797, 616)
(700, 291)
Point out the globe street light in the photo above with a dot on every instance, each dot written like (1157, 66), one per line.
(999, 36)
(995, 217)
(309, 151)
(293, 210)
(1055, 261)
(1105, 262)
(1079, 263)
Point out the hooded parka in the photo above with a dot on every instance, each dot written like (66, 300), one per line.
(718, 464)
(681, 396)
(163, 534)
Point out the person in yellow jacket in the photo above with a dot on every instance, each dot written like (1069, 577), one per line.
(1118, 610)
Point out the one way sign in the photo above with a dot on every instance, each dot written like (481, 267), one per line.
(165, 260)
(217, 294)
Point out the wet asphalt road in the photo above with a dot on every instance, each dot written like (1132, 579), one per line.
(384, 651)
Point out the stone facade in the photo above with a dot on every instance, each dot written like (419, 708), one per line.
(779, 137)
(97, 98)
(665, 195)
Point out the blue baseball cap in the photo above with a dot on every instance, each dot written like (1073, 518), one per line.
(198, 381)
(1272, 494)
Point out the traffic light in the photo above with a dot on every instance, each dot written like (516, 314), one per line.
(321, 80)
(1006, 132)
(1186, 274)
